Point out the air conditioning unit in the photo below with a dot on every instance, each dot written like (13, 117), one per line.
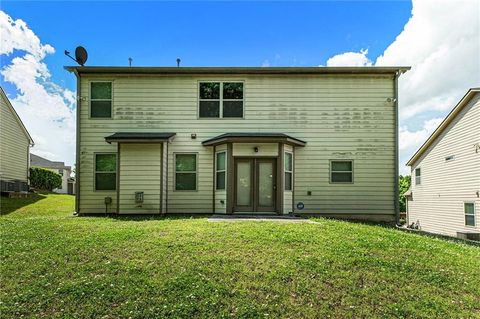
(470, 235)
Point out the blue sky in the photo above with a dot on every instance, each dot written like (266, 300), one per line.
(432, 36)
(210, 34)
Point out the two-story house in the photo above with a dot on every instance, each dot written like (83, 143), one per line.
(316, 140)
(58, 167)
(445, 194)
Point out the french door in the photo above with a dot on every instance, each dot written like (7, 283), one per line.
(255, 185)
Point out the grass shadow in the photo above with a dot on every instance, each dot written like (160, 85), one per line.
(9, 205)
(141, 218)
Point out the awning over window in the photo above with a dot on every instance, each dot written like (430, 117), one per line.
(139, 137)
(254, 138)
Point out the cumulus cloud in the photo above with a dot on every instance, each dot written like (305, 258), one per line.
(46, 109)
(265, 64)
(350, 59)
(441, 42)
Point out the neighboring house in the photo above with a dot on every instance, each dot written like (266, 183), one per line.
(59, 168)
(445, 194)
(15, 143)
(319, 140)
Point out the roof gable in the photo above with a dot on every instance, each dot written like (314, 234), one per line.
(15, 114)
(445, 123)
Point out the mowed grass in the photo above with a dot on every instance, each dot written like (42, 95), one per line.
(55, 265)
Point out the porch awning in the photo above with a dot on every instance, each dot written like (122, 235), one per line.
(254, 138)
(139, 137)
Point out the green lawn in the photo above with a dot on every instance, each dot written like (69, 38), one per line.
(55, 265)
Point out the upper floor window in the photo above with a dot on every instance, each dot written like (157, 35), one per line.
(341, 171)
(469, 214)
(101, 99)
(418, 176)
(60, 171)
(220, 99)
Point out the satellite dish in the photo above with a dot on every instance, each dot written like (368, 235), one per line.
(81, 55)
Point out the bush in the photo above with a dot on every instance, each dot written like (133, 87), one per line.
(41, 178)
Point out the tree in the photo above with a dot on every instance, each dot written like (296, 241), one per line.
(44, 179)
(404, 185)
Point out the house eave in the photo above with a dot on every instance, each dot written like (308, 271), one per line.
(443, 125)
(393, 70)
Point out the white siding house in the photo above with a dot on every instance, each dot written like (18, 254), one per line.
(15, 143)
(445, 191)
(160, 140)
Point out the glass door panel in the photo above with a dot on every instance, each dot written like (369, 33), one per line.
(265, 184)
(244, 183)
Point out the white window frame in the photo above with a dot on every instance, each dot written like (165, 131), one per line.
(474, 214)
(418, 178)
(91, 100)
(351, 172)
(180, 172)
(287, 172)
(109, 172)
(221, 99)
(221, 170)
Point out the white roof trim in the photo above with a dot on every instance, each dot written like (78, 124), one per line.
(450, 117)
(9, 104)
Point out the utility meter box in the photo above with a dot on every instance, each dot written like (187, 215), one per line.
(138, 197)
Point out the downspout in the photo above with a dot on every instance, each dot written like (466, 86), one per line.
(396, 181)
(77, 148)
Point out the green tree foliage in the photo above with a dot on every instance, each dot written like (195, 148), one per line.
(404, 185)
(45, 179)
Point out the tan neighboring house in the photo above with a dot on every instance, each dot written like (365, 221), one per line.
(68, 183)
(445, 194)
(15, 143)
(236, 140)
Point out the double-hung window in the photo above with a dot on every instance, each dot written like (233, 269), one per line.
(469, 209)
(220, 100)
(341, 172)
(220, 170)
(101, 99)
(418, 176)
(185, 171)
(288, 171)
(105, 172)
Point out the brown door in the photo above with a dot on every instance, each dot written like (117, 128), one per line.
(255, 185)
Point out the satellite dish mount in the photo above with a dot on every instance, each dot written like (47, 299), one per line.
(81, 55)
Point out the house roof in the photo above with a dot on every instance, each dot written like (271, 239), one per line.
(236, 70)
(9, 104)
(253, 137)
(140, 137)
(438, 131)
(39, 161)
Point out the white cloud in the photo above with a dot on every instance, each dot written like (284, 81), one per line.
(441, 42)
(350, 59)
(411, 140)
(46, 109)
(265, 64)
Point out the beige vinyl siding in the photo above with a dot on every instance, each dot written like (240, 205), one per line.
(248, 149)
(140, 171)
(221, 195)
(438, 203)
(340, 116)
(14, 145)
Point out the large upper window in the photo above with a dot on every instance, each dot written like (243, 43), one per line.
(106, 172)
(220, 171)
(185, 172)
(418, 176)
(220, 99)
(288, 171)
(341, 171)
(101, 99)
(469, 214)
